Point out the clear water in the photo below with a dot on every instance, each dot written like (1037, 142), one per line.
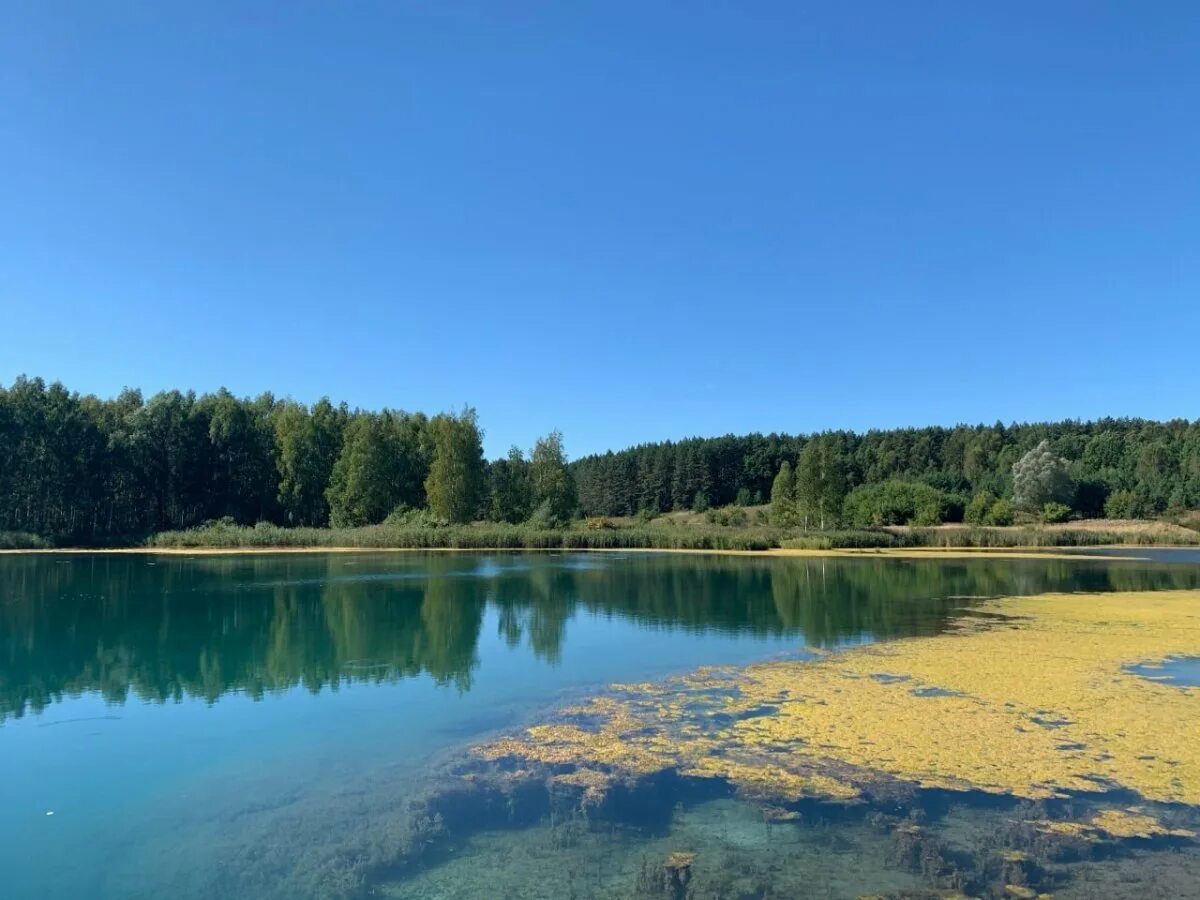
(241, 726)
(1183, 671)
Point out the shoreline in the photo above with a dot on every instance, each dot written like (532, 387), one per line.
(775, 552)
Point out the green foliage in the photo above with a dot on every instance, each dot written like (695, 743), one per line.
(455, 481)
(307, 445)
(977, 510)
(1054, 513)
(845, 539)
(84, 471)
(553, 487)
(1001, 514)
(1122, 505)
(897, 502)
(502, 537)
(820, 481)
(1040, 477)
(1102, 457)
(469, 537)
(382, 463)
(728, 517)
(408, 517)
(511, 490)
(783, 498)
(22, 540)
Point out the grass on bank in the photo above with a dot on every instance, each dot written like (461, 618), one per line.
(675, 531)
(659, 537)
(468, 537)
(23, 540)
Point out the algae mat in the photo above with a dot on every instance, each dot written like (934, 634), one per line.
(1028, 696)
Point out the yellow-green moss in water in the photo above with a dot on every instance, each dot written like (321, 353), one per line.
(1118, 823)
(1030, 700)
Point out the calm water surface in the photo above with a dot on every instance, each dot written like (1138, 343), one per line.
(213, 726)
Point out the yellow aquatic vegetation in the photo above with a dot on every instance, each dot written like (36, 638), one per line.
(1118, 823)
(1027, 696)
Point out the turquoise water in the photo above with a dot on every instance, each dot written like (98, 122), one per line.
(249, 726)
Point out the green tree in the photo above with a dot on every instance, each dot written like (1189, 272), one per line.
(897, 502)
(455, 480)
(820, 481)
(554, 492)
(308, 443)
(360, 488)
(783, 497)
(511, 492)
(1040, 477)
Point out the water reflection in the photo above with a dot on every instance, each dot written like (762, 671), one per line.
(166, 628)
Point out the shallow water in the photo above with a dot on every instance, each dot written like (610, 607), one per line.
(251, 726)
(1183, 671)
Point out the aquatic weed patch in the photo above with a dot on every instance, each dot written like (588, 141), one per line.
(1033, 700)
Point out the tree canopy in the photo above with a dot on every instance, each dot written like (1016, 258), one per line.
(86, 470)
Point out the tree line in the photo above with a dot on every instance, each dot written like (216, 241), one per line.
(1122, 468)
(83, 469)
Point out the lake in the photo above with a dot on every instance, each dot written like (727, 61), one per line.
(257, 725)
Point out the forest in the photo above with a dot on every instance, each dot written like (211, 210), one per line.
(77, 469)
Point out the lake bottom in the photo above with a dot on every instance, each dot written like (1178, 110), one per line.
(694, 838)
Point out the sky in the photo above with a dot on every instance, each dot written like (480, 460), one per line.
(630, 221)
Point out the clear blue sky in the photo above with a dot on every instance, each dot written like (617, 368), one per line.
(631, 221)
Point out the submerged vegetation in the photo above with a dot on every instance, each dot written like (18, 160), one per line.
(1029, 697)
(1033, 748)
(79, 470)
(943, 766)
(1024, 719)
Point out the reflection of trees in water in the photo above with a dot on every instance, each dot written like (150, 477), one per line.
(205, 627)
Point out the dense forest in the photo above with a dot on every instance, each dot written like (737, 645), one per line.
(76, 468)
(1123, 468)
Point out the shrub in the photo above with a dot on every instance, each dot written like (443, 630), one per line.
(896, 502)
(408, 517)
(1122, 505)
(1001, 513)
(544, 516)
(23, 540)
(977, 510)
(728, 516)
(1054, 513)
